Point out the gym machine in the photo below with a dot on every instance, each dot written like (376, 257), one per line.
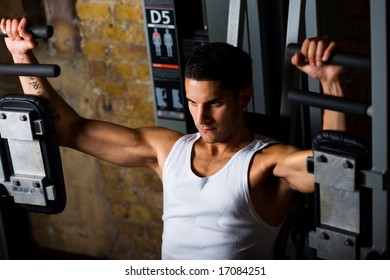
(351, 176)
(31, 177)
(351, 201)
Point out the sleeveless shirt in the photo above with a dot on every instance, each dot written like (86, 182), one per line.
(212, 217)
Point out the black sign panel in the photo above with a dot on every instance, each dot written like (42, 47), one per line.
(164, 56)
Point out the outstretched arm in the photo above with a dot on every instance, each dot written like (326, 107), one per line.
(114, 143)
(312, 60)
(20, 43)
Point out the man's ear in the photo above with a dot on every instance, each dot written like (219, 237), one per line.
(245, 96)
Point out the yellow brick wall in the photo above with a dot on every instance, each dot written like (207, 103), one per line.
(126, 216)
(111, 212)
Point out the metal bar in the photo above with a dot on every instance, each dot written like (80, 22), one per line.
(314, 121)
(380, 122)
(340, 58)
(256, 44)
(314, 99)
(294, 34)
(38, 31)
(236, 22)
(35, 70)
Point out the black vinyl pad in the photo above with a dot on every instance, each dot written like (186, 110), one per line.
(340, 141)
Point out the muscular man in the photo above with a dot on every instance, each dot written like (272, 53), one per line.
(226, 190)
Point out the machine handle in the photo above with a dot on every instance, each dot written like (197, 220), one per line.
(38, 31)
(339, 58)
(334, 103)
(34, 70)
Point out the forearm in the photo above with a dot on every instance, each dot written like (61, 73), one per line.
(63, 115)
(333, 120)
(33, 85)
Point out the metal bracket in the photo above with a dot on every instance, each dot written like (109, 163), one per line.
(30, 159)
(24, 175)
(331, 244)
(334, 170)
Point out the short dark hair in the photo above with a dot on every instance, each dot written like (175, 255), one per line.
(222, 62)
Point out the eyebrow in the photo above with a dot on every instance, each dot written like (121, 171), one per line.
(208, 101)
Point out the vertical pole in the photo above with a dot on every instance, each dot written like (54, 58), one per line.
(295, 33)
(245, 32)
(255, 44)
(378, 179)
(235, 29)
(315, 115)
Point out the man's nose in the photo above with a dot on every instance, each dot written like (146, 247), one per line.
(202, 115)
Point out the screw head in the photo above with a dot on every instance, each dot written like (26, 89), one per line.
(323, 235)
(348, 242)
(322, 158)
(16, 182)
(347, 164)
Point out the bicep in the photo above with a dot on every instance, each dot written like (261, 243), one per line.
(121, 145)
(291, 166)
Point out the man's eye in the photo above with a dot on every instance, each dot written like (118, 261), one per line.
(216, 103)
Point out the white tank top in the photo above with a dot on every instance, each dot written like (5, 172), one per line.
(212, 217)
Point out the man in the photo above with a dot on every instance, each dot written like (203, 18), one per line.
(226, 190)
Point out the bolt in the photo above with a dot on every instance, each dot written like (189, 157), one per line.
(348, 242)
(36, 184)
(3, 116)
(23, 118)
(324, 235)
(322, 158)
(347, 164)
(16, 182)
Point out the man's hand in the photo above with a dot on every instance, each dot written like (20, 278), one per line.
(312, 59)
(19, 42)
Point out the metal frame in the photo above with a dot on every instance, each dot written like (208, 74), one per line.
(377, 178)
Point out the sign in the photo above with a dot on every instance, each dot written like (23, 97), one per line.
(164, 57)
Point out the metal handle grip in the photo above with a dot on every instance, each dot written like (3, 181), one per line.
(38, 31)
(339, 58)
(313, 99)
(34, 70)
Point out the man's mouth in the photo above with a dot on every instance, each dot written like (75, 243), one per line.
(206, 128)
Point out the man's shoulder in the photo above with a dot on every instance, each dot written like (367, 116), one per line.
(274, 147)
(266, 139)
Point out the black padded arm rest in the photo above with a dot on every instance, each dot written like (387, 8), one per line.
(340, 141)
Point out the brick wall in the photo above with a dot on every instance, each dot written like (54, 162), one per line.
(111, 212)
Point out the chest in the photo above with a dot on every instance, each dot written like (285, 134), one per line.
(205, 165)
(210, 191)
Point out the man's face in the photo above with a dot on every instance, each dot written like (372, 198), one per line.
(216, 112)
